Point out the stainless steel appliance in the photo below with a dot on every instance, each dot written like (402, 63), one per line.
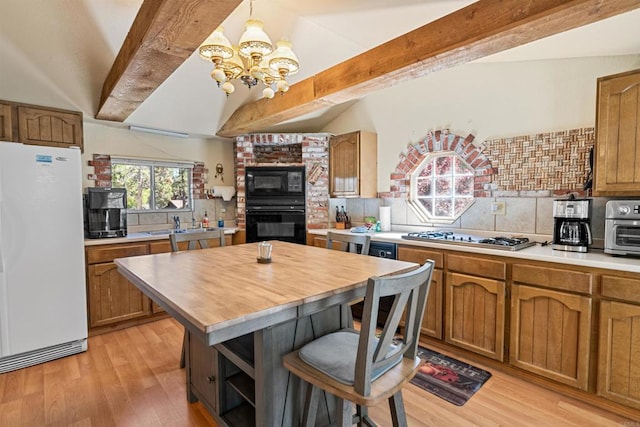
(105, 212)
(267, 183)
(443, 236)
(622, 227)
(571, 225)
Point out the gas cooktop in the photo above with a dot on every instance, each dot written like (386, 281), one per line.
(502, 243)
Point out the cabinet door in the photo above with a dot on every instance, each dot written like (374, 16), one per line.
(6, 123)
(550, 334)
(617, 169)
(112, 298)
(39, 126)
(353, 165)
(475, 313)
(203, 376)
(344, 165)
(619, 353)
(432, 320)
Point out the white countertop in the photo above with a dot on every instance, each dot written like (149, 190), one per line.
(140, 237)
(595, 258)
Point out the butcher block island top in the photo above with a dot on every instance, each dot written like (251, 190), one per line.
(242, 316)
(218, 288)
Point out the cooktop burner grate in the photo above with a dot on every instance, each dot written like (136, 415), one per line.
(501, 242)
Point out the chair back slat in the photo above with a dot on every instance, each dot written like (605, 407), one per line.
(410, 292)
(349, 242)
(197, 240)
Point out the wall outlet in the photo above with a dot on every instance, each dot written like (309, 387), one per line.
(498, 208)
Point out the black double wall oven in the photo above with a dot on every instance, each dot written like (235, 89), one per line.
(275, 203)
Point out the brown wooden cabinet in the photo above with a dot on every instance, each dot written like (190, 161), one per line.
(6, 122)
(551, 322)
(617, 161)
(619, 340)
(353, 165)
(36, 125)
(112, 298)
(432, 320)
(475, 294)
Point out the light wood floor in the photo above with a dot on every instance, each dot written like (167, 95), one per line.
(131, 378)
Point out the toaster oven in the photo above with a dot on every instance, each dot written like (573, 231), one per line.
(622, 227)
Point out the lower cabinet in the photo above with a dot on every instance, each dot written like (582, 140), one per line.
(432, 320)
(550, 334)
(112, 298)
(551, 322)
(619, 346)
(475, 294)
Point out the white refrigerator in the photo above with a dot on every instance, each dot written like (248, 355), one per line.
(43, 305)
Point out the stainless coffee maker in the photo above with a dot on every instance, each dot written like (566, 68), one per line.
(571, 225)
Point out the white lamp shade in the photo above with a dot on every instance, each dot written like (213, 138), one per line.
(283, 60)
(216, 47)
(254, 41)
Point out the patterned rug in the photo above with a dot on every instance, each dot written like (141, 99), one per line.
(448, 378)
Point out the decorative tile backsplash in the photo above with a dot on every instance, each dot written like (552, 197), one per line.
(553, 161)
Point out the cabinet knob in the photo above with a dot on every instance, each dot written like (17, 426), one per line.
(211, 379)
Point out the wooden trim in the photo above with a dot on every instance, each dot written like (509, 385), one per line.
(164, 34)
(480, 29)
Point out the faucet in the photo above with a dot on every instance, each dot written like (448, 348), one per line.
(176, 221)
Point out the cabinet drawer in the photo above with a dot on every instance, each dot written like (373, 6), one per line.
(107, 253)
(477, 266)
(623, 288)
(420, 255)
(557, 278)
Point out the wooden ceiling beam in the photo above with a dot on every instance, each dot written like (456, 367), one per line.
(480, 29)
(163, 35)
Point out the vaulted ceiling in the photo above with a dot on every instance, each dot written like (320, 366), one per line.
(347, 49)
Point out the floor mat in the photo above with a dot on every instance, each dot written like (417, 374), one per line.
(448, 378)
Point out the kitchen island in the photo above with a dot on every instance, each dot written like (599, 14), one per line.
(243, 316)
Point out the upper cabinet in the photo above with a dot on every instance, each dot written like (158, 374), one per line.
(35, 125)
(6, 122)
(617, 161)
(353, 165)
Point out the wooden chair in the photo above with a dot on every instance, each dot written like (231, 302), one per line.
(195, 239)
(360, 368)
(349, 242)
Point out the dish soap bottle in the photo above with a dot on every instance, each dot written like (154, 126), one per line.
(378, 227)
(205, 220)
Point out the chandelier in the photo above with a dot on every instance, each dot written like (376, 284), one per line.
(252, 61)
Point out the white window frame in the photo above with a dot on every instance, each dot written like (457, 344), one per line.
(162, 163)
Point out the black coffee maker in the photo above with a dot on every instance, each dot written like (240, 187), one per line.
(105, 213)
(571, 224)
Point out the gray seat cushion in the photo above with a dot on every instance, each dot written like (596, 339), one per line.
(335, 355)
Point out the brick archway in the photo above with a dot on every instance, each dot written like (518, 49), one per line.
(442, 141)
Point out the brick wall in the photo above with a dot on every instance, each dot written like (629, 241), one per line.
(539, 165)
(102, 175)
(441, 141)
(287, 149)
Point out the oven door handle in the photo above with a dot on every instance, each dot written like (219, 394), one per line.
(270, 210)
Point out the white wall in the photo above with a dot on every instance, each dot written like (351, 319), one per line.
(101, 139)
(489, 100)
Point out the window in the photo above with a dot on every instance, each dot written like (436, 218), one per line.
(153, 185)
(441, 188)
